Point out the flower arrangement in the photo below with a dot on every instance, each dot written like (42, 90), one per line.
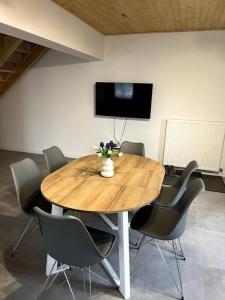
(107, 150)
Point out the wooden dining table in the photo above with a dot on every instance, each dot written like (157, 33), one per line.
(79, 186)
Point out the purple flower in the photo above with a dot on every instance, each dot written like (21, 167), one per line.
(112, 144)
(102, 144)
(107, 146)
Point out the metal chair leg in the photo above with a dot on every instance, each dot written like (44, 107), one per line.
(84, 283)
(178, 268)
(21, 236)
(53, 279)
(67, 280)
(138, 246)
(89, 273)
(33, 230)
(132, 273)
(138, 243)
(108, 222)
(181, 254)
(169, 271)
(98, 276)
(46, 281)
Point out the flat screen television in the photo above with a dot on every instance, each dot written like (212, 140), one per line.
(131, 100)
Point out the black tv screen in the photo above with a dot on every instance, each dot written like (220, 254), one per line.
(131, 100)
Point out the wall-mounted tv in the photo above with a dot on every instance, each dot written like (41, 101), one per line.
(131, 100)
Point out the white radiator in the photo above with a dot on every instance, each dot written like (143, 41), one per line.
(194, 140)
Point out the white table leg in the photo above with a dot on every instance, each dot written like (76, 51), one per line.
(124, 257)
(58, 211)
(108, 222)
(111, 272)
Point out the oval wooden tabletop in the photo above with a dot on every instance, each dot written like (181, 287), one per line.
(79, 185)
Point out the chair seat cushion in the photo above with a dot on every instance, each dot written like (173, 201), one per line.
(38, 200)
(103, 240)
(156, 222)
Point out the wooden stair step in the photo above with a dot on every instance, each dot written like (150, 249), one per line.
(8, 66)
(9, 48)
(22, 51)
(29, 60)
(25, 47)
(6, 71)
(16, 57)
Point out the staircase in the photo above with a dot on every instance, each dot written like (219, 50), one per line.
(16, 57)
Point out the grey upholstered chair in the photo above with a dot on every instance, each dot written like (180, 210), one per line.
(133, 148)
(168, 224)
(54, 158)
(27, 179)
(69, 242)
(170, 195)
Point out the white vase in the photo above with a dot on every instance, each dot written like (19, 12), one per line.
(107, 169)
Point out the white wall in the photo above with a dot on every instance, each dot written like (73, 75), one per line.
(54, 102)
(45, 23)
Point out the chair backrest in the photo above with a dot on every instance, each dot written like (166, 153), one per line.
(193, 190)
(54, 158)
(67, 240)
(133, 148)
(27, 179)
(182, 182)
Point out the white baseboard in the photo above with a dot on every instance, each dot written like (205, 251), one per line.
(28, 150)
(33, 151)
